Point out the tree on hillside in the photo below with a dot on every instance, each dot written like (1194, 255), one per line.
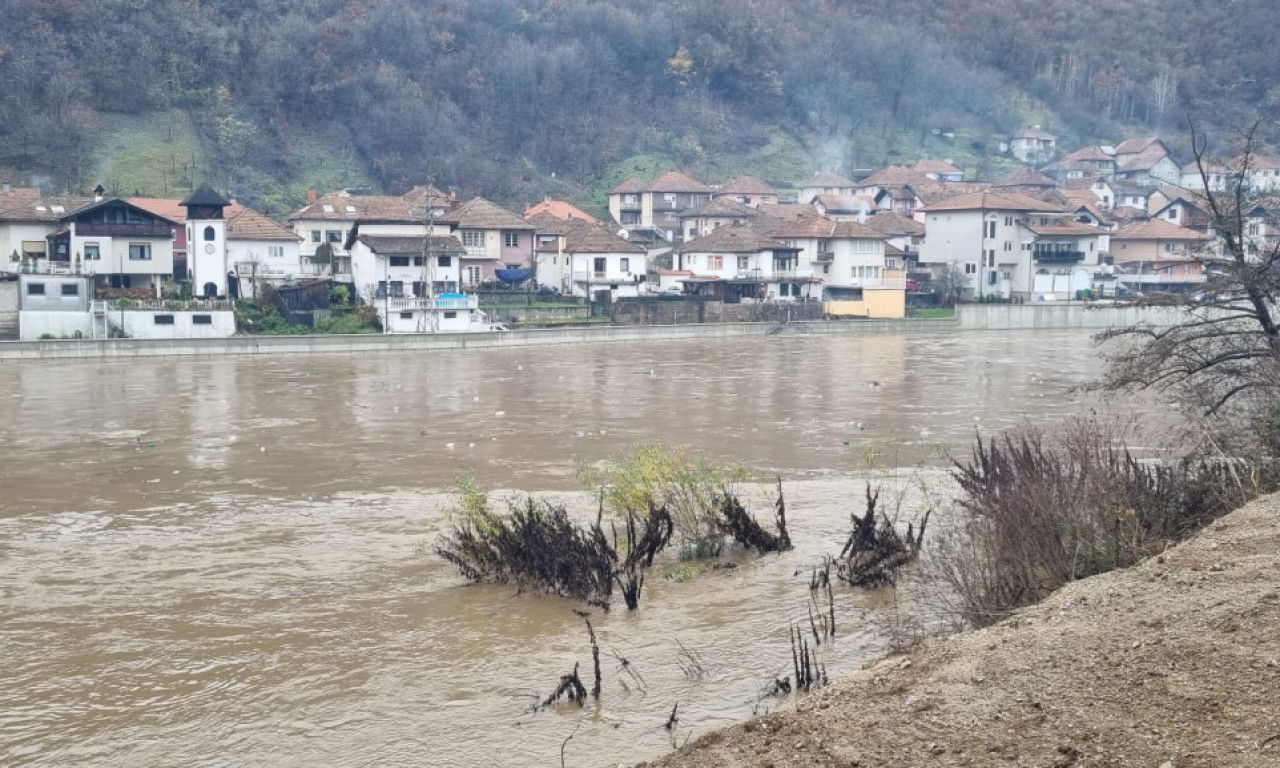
(1224, 354)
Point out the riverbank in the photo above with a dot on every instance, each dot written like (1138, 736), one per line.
(1172, 663)
(990, 317)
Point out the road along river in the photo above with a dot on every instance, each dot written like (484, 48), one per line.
(228, 561)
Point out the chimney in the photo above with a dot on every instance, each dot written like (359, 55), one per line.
(311, 196)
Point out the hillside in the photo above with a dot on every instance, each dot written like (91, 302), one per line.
(1175, 663)
(516, 98)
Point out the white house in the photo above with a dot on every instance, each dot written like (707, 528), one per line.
(260, 249)
(737, 263)
(844, 257)
(603, 263)
(825, 183)
(1033, 145)
(1001, 241)
(412, 282)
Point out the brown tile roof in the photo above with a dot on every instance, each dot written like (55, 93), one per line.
(412, 246)
(893, 176)
(991, 200)
(1156, 229)
(1089, 153)
(550, 224)
(785, 210)
(732, 239)
(344, 206)
(423, 195)
(561, 209)
(596, 238)
(172, 208)
(675, 181)
(631, 186)
(933, 165)
(720, 208)
(479, 213)
(931, 192)
(1024, 177)
(823, 227)
(747, 185)
(1141, 144)
(843, 203)
(27, 208)
(828, 179)
(248, 224)
(894, 224)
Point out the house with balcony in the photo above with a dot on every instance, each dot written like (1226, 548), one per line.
(656, 206)
(855, 274)
(26, 221)
(120, 244)
(1033, 146)
(492, 237)
(738, 263)
(901, 233)
(260, 250)
(413, 282)
(1158, 255)
(329, 220)
(603, 266)
(825, 183)
(747, 190)
(1000, 241)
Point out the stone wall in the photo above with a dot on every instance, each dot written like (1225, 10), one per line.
(686, 310)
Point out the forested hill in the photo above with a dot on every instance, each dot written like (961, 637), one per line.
(496, 96)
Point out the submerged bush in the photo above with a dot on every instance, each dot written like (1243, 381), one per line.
(690, 488)
(1041, 512)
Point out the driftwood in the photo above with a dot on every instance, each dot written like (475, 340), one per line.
(875, 550)
(804, 663)
(570, 687)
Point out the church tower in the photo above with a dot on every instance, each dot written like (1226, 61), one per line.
(207, 243)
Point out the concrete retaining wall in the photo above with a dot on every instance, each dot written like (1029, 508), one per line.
(1013, 317)
(316, 345)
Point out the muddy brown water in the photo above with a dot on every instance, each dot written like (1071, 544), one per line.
(227, 561)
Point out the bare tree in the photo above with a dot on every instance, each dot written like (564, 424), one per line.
(949, 281)
(1226, 349)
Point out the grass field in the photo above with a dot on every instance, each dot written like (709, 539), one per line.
(157, 154)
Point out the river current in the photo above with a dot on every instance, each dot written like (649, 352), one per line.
(230, 561)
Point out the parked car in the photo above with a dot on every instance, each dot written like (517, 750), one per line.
(914, 286)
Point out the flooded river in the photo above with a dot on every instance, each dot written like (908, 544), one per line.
(228, 561)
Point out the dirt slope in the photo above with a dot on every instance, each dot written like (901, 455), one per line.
(1172, 664)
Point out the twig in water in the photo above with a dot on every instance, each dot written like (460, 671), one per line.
(564, 743)
(671, 721)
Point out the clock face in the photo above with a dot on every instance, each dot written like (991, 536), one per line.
(208, 248)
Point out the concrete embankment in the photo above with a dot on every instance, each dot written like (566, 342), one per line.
(990, 317)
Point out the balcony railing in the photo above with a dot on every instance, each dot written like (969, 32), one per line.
(438, 302)
(169, 305)
(629, 205)
(600, 278)
(825, 257)
(103, 229)
(1058, 257)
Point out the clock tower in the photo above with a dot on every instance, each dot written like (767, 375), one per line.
(206, 242)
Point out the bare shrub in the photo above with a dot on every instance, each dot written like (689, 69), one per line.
(1041, 512)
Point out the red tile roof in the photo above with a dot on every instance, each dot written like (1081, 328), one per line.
(732, 239)
(561, 209)
(823, 227)
(631, 186)
(248, 224)
(1156, 229)
(935, 166)
(991, 200)
(828, 179)
(675, 181)
(747, 185)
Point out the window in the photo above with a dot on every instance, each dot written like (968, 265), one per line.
(1008, 221)
(417, 261)
(472, 239)
(1008, 246)
(33, 249)
(399, 261)
(275, 251)
(669, 216)
(397, 289)
(824, 246)
(382, 289)
(991, 229)
(163, 319)
(744, 262)
(210, 234)
(1173, 213)
(511, 239)
(333, 236)
(35, 289)
(139, 252)
(474, 275)
(971, 269)
(715, 262)
(70, 289)
(446, 261)
(92, 252)
(315, 235)
(624, 265)
(202, 319)
(450, 315)
(406, 315)
(865, 246)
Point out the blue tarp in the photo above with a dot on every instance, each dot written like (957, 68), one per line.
(512, 275)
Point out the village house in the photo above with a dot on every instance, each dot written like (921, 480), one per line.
(857, 277)
(747, 190)
(938, 170)
(657, 205)
(737, 263)
(560, 209)
(824, 183)
(1033, 146)
(1009, 244)
(493, 238)
(1158, 255)
(719, 212)
(1146, 161)
(551, 267)
(415, 282)
(602, 265)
